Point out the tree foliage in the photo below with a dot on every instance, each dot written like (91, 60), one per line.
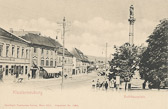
(126, 60)
(154, 61)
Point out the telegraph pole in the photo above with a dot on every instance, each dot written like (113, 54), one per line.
(63, 51)
(63, 24)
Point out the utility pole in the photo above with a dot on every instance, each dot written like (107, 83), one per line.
(63, 51)
(63, 24)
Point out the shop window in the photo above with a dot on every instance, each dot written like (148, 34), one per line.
(22, 69)
(12, 70)
(6, 70)
(25, 69)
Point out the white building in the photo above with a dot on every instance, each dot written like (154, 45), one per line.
(14, 55)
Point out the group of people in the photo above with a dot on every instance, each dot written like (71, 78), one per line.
(104, 84)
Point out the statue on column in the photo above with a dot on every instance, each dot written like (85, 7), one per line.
(131, 11)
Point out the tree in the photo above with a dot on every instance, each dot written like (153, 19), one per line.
(126, 61)
(154, 61)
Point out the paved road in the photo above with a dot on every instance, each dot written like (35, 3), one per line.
(76, 82)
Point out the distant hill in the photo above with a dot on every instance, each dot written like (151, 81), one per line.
(95, 58)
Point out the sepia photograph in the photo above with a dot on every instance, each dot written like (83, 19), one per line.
(83, 54)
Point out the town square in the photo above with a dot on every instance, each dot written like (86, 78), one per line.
(83, 53)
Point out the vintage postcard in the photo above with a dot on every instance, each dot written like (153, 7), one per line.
(83, 54)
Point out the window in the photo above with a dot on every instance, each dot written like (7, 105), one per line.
(6, 70)
(47, 63)
(26, 53)
(22, 52)
(42, 50)
(13, 51)
(7, 50)
(60, 60)
(17, 52)
(65, 61)
(25, 69)
(35, 50)
(55, 63)
(42, 62)
(51, 52)
(47, 52)
(51, 63)
(1, 50)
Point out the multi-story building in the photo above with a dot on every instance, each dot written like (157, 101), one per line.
(68, 61)
(43, 55)
(82, 62)
(14, 55)
(32, 53)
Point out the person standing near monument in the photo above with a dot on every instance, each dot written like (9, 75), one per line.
(106, 85)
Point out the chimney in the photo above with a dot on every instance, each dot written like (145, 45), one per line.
(11, 30)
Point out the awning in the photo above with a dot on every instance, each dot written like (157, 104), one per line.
(53, 70)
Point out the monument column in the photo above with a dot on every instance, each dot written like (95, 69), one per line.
(131, 25)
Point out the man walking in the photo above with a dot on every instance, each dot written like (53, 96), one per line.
(106, 85)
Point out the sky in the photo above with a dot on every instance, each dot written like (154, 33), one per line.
(90, 23)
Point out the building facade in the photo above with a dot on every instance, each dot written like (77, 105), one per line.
(43, 55)
(82, 62)
(14, 56)
(68, 61)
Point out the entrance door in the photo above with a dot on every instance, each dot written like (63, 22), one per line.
(33, 73)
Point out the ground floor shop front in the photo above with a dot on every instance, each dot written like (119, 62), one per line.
(10, 71)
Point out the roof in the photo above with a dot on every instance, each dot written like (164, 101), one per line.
(22, 33)
(12, 36)
(79, 55)
(67, 53)
(41, 40)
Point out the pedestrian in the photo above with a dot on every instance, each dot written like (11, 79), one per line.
(28, 76)
(98, 84)
(111, 83)
(103, 85)
(106, 85)
(147, 85)
(93, 84)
